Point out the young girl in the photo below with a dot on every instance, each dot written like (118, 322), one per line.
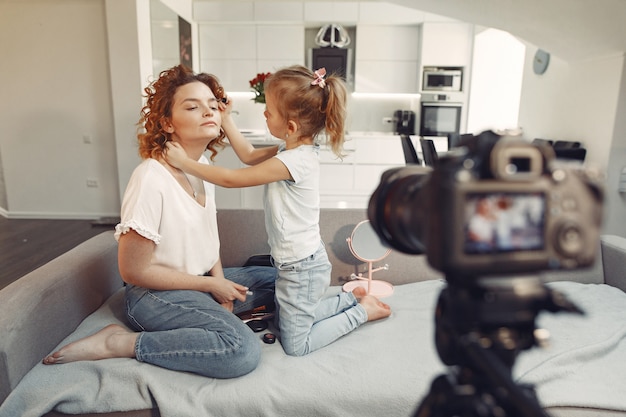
(299, 105)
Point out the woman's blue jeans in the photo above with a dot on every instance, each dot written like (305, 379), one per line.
(309, 321)
(189, 331)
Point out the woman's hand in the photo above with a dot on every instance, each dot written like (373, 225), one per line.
(225, 291)
(175, 155)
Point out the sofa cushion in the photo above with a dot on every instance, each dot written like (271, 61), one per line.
(336, 225)
(52, 301)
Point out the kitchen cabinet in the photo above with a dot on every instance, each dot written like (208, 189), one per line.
(349, 182)
(346, 182)
(341, 11)
(387, 59)
(248, 11)
(222, 11)
(280, 42)
(278, 11)
(388, 13)
(392, 42)
(446, 44)
(250, 49)
(233, 198)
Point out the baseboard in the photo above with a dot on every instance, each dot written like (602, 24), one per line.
(56, 216)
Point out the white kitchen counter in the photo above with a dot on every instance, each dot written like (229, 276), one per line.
(346, 182)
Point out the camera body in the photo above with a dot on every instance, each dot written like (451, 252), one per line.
(499, 205)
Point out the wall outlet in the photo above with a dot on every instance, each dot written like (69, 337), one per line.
(87, 138)
(92, 183)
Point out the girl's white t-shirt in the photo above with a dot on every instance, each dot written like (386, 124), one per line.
(157, 207)
(292, 208)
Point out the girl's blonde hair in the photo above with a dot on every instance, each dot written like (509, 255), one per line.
(158, 109)
(314, 107)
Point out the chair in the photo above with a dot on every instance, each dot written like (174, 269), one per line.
(542, 142)
(453, 140)
(456, 140)
(410, 155)
(565, 144)
(576, 154)
(429, 152)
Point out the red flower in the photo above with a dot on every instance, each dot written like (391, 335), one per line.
(257, 86)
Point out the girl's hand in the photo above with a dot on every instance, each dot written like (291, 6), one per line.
(175, 155)
(225, 104)
(226, 109)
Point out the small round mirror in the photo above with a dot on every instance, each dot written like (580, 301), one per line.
(366, 246)
(365, 243)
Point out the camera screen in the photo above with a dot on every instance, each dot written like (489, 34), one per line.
(504, 222)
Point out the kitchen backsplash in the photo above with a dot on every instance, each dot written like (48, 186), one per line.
(366, 112)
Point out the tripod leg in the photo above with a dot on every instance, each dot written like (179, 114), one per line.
(517, 400)
(438, 399)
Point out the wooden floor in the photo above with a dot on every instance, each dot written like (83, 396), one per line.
(26, 244)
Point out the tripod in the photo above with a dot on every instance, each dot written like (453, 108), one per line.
(481, 325)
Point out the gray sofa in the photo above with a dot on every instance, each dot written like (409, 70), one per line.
(382, 368)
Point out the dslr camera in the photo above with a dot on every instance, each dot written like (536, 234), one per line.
(496, 205)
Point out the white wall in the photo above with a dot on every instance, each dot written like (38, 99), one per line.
(55, 92)
(580, 101)
(616, 212)
(130, 68)
(575, 101)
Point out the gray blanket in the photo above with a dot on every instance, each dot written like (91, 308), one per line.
(381, 369)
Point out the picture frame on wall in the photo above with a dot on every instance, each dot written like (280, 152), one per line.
(184, 36)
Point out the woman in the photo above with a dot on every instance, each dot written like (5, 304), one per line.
(179, 298)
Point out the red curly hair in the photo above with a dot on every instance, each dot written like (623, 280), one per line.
(158, 109)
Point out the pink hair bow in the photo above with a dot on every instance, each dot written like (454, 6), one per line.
(319, 78)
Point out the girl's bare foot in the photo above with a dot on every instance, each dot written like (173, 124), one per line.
(374, 308)
(113, 341)
(359, 292)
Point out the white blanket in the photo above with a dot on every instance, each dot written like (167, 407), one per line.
(381, 369)
(585, 363)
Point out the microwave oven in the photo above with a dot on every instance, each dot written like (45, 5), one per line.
(442, 79)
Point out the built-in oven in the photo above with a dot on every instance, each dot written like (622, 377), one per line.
(439, 117)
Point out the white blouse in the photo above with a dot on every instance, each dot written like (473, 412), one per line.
(157, 207)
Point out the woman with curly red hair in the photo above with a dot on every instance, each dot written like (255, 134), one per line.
(179, 299)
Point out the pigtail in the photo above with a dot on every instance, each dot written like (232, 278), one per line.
(336, 112)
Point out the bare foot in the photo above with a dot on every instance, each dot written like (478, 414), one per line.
(359, 292)
(375, 308)
(113, 341)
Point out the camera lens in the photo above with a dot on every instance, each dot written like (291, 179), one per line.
(396, 210)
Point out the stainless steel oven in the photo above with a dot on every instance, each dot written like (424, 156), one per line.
(439, 117)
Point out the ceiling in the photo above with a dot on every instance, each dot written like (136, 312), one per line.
(573, 30)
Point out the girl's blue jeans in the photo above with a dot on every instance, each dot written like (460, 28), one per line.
(307, 320)
(190, 331)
